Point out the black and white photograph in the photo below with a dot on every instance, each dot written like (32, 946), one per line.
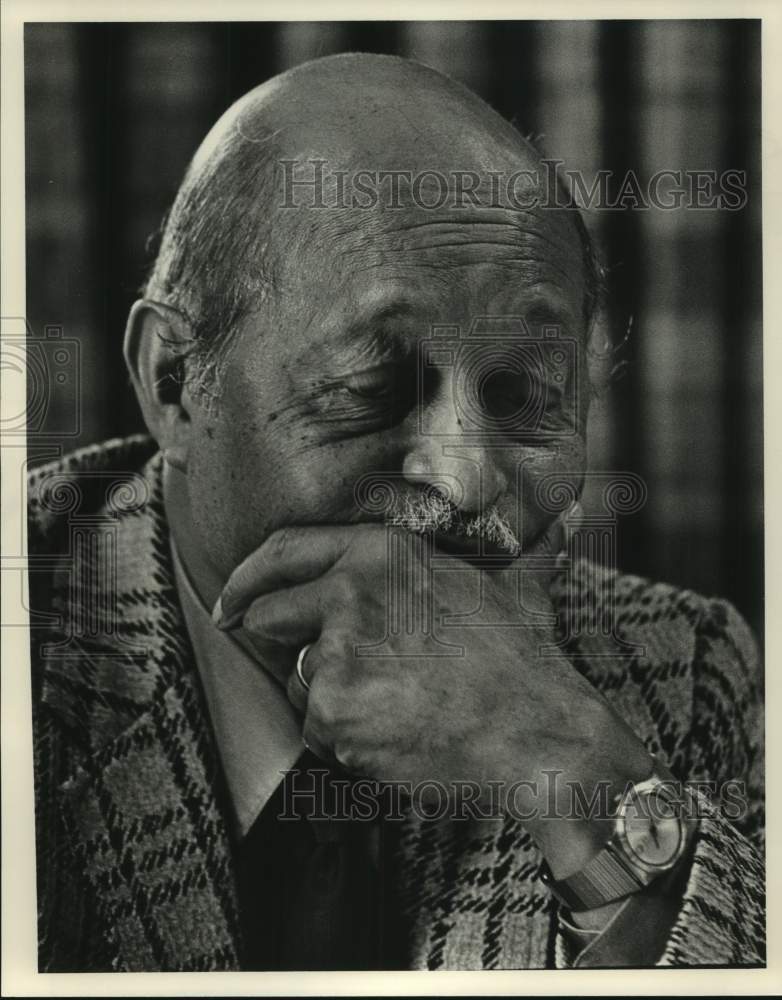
(389, 579)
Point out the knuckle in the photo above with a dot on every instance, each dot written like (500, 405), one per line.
(331, 647)
(256, 621)
(323, 706)
(279, 542)
(337, 654)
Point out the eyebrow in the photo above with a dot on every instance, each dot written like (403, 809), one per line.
(379, 333)
(543, 311)
(374, 333)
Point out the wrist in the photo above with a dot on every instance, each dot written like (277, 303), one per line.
(652, 833)
(578, 817)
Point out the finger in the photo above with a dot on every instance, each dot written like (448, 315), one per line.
(554, 540)
(276, 627)
(290, 617)
(314, 732)
(552, 545)
(288, 556)
(574, 517)
(551, 541)
(314, 742)
(571, 522)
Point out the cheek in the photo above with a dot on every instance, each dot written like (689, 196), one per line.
(221, 485)
(247, 480)
(231, 476)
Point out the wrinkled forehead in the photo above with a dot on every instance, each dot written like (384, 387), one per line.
(454, 258)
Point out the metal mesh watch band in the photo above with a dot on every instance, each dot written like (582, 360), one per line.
(617, 870)
(605, 878)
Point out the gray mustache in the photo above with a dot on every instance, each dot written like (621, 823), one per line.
(432, 512)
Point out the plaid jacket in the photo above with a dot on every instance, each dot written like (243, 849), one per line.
(134, 860)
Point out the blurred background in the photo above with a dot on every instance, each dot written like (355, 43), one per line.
(115, 111)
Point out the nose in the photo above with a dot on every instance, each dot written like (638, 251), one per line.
(452, 458)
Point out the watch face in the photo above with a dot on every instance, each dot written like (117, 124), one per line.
(652, 830)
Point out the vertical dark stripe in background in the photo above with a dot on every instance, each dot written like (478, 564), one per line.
(741, 308)
(513, 89)
(102, 69)
(250, 56)
(617, 64)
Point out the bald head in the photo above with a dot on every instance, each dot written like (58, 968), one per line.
(227, 235)
(355, 109)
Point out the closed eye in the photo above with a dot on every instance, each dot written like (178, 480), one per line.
(382, 395)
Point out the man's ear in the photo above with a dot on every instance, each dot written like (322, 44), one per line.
(156, 340)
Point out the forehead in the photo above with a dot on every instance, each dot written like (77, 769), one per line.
(343, 273)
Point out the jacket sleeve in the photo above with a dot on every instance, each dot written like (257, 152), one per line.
(713, 911)
(722, 917)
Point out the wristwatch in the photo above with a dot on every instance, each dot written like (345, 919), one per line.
(652, 829)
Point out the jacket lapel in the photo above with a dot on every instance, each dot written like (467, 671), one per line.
(145, 807)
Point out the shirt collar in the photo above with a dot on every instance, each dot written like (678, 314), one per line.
(257, 730)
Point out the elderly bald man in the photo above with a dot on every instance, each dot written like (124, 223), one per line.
(337, 557)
